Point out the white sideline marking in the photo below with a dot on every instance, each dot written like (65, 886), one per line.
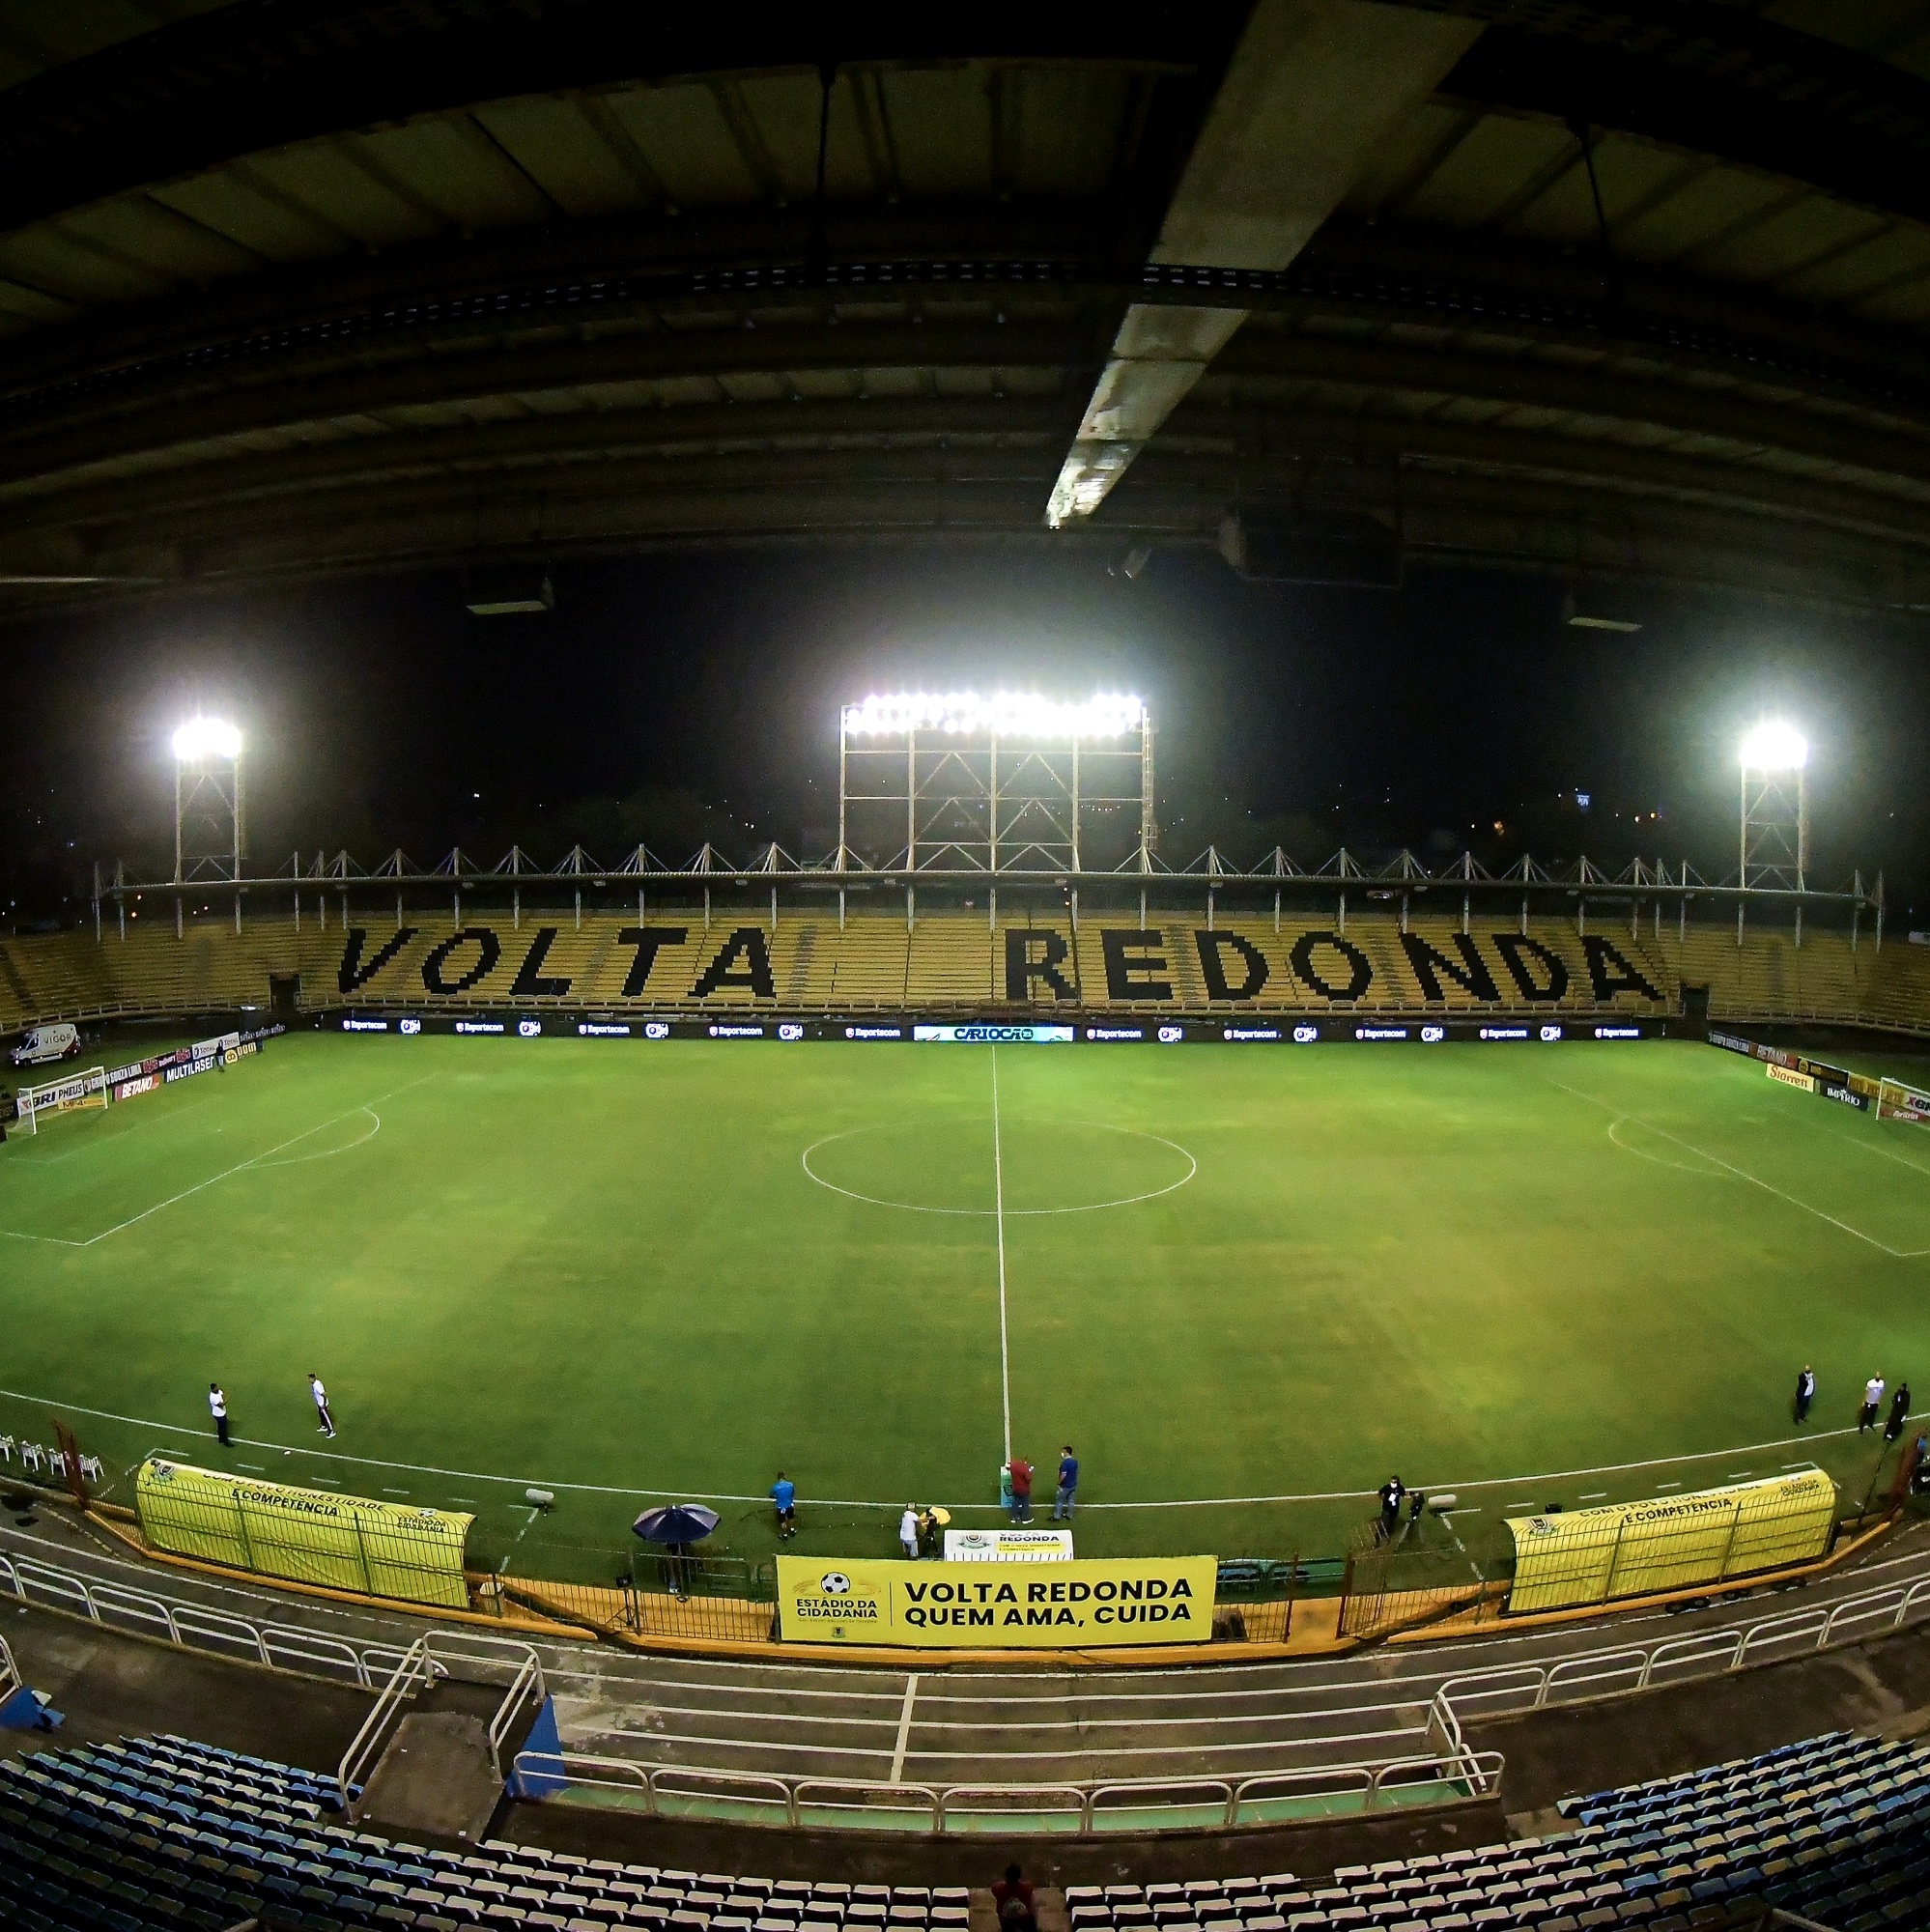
(978, 1503)
(1740, 1173)
(253, 1160)
(999, 1214)
(905, 1716)
(1849, 1140)
(1593, 1496)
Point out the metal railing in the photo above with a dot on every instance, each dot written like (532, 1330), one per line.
(1514, 1689)
(1457, 1777)
(432, 1658)
(196, 1625)
(415, 1673)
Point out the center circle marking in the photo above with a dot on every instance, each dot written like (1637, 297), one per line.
(1012, 1213)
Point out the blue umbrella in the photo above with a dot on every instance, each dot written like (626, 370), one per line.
(675, 1523)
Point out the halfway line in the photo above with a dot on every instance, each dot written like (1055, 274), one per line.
(999, 1218)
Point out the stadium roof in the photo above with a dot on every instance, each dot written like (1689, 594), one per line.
(292, 286)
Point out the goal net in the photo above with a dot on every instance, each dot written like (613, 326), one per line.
(60, 1096)
(1897, 1103)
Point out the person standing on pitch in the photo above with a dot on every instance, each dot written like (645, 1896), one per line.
(1391, 1492)
(1021, 1473)
(1806, 1392)
(784, 1499)
(1068, 1485)
(908, 1532)
(1899, 1412)
(217, 1408)
(1872, 1401)
(321, 1399)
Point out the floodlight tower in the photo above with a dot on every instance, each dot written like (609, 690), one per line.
(1773, 837)
(210, 817)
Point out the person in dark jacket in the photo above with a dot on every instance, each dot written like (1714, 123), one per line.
(1806, 1392)
(1899, 1412)
(1012, 1899)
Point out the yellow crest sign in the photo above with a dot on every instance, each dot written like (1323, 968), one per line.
(1075, 1606)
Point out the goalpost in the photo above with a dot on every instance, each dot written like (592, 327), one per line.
(60, 1097)
(1896, 1101)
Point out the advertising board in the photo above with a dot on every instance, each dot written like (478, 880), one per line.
(1067, 1606)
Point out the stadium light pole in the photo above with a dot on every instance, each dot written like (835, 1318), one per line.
(208, 793)
(1774, 835)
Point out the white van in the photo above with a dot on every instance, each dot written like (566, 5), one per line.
(43, 1043)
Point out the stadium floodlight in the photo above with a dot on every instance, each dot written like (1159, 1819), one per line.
(204, 738)
(1774, 846)
(989, 784)
(1775, 747)
(1007, 714)
(208, 840)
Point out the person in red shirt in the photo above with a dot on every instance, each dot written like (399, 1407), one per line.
(1021, 1472)
(1012, 1896)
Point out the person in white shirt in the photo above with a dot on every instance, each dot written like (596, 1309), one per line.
(217, 1408)
(1872, 1400)
(320, 1396)
(908, 1532)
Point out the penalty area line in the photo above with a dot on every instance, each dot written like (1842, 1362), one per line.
(263, 1158)
(1740, 1173)
(857, 1502)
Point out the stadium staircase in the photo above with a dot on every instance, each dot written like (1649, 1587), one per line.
(164, 1832)
(944, 960)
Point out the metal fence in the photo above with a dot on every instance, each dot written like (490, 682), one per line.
(1394, 1586)
(1450, 1776)
(197, 1625)
(1515, 1689)
(646, 1594)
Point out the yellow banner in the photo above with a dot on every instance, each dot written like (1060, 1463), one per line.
(1075, 1606)
(305, 1536)
(1788, 1077)
(1670, 1542)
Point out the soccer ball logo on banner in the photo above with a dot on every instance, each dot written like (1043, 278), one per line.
(835, 1584)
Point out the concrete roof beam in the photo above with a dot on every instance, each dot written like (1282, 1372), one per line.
(1311, 89)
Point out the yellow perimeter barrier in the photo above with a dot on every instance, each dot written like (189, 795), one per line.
(1083, 1604)
(1670, 1543)
(305, 1536)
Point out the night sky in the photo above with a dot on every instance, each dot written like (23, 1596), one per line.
(381, 713)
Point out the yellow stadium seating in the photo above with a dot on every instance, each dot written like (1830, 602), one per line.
(959, 961)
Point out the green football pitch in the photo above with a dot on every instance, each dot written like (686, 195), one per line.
(1248, 1282)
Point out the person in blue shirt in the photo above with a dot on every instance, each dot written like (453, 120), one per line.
(1068, 1485)
(784, 1495)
